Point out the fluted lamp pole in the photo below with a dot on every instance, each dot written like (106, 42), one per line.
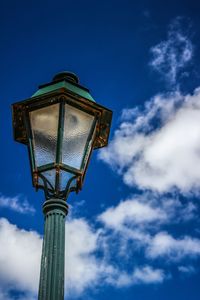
(61, 124)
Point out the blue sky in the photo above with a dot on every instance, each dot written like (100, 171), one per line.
(133, 231)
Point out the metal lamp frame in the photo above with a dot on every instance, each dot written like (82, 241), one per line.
(63, 90)
(98, 137)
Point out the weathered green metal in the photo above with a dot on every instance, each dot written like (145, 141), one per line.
(53, 251)
(81, 91)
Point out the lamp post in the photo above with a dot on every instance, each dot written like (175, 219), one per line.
(61, 124)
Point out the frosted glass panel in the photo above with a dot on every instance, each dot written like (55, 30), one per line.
(50, 176)
(44, 123)
(77, 127)
(64, 178)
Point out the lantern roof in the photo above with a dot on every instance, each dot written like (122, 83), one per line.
(65, 81)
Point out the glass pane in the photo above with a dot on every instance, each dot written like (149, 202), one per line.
(50, 176)
(77, 128)
(44, 123)
(40, 181)
(64, 178)
(73, 183)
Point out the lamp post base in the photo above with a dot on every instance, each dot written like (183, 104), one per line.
(51, 285)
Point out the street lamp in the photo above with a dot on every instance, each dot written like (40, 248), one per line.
(61, 124)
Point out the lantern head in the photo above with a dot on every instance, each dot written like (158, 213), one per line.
(61, 124)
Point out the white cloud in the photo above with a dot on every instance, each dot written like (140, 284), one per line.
(19, 257)
(159, 148)
(17, 204)
(165, 245)
(170, 57)
(140, 275)
(148, 275)
(142, 211)
(131, 212)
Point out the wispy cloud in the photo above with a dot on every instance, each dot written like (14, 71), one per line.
(156, 146)
(143, 275)
(17, 204)
(132, 212)
(149, 275)
(164, 245)
(141, 220)
(170, 57)
(187, 270)
(147, 209)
